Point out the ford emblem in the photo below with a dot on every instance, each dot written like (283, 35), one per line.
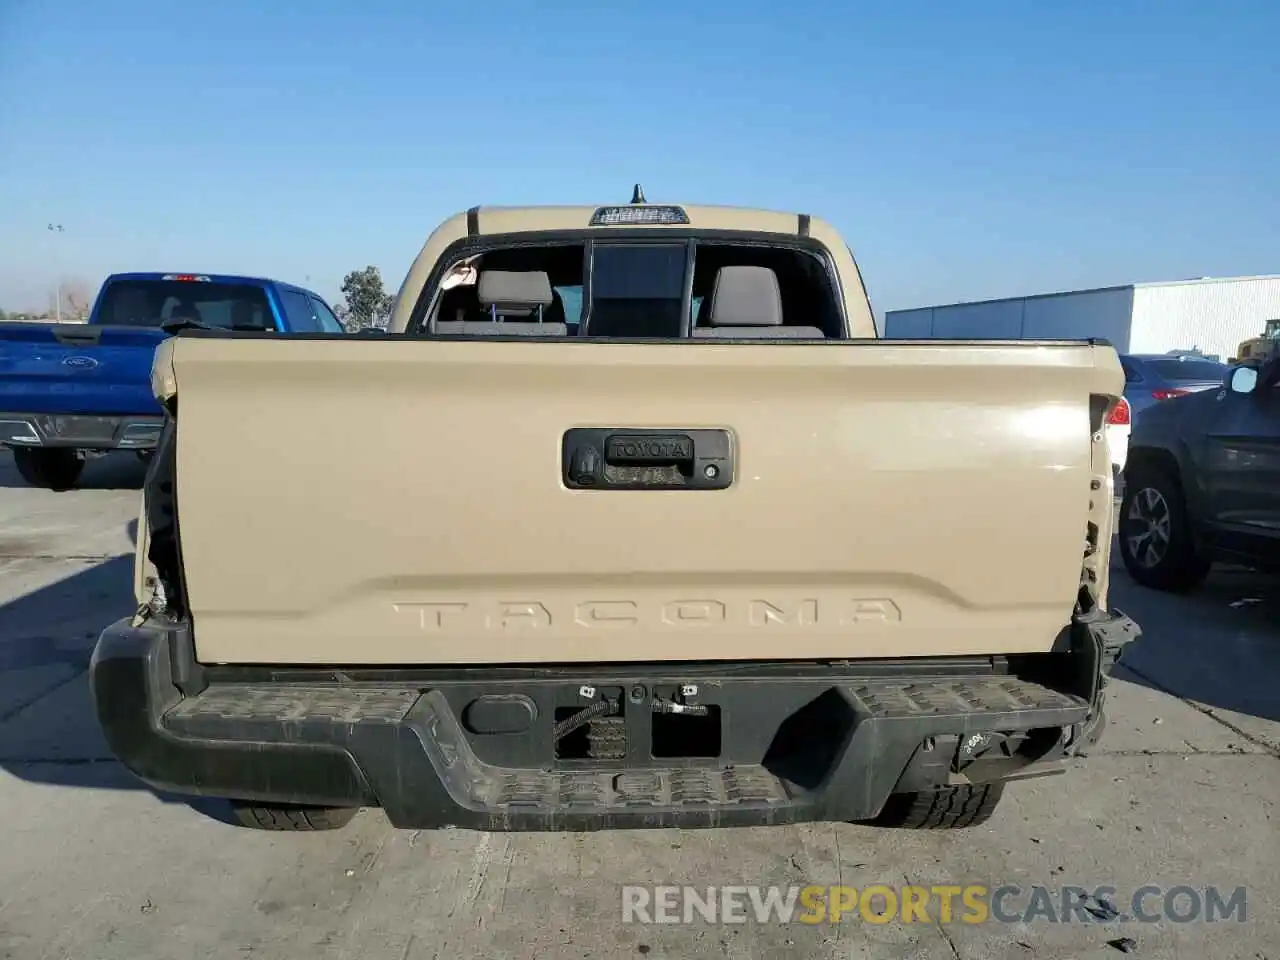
(80, 363)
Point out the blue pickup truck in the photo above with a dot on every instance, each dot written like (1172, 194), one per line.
(72, 391)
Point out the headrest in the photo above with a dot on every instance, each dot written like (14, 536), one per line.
(508, 291)
(746, 297)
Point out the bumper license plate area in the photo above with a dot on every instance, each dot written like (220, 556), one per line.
(70, 429)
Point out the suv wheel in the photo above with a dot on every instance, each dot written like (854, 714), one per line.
(950, 808)
(270, 816)
(55, 468)
(1156, 543)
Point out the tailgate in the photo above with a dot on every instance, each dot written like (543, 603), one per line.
(404, 501)
(77, 369)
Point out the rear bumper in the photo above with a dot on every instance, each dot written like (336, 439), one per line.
(816, 742)
(81, 432)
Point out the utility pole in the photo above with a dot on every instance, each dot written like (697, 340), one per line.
(56, 228)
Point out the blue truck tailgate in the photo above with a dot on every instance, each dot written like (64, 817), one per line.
(77, 368)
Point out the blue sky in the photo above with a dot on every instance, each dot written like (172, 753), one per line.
(966, 150)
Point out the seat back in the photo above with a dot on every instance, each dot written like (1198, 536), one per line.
(746, 303)
(514, 304)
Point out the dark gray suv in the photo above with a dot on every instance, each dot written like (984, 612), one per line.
(1202, 481)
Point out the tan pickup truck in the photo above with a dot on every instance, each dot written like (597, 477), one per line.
(629, 520)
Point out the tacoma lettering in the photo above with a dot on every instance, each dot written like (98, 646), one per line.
(762, 613)
(526, 615)
(607, 613)
(693, 611)
(432, 616)
(863, 611)
(513, 616)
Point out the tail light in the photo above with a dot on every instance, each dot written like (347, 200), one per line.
(1119, 415)
(1169, 394)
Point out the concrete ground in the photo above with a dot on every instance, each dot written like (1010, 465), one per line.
(1182, 791)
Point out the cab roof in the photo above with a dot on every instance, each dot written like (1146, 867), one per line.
(210, 277)
(192, 275)
(487, 220)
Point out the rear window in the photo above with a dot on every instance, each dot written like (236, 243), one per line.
(1191, 371)
(638, 288)
(301, 311)
(149, 303)
(328, 322)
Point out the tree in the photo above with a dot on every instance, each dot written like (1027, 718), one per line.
(365, 302)
(3, 316)
(77, 299)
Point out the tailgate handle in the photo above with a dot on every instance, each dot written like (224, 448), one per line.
(81, 336)
(600, 458)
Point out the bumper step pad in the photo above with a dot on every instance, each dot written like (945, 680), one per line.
(897, 699)
(274, 704)
(637, 789)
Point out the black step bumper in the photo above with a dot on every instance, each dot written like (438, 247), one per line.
(816, 742)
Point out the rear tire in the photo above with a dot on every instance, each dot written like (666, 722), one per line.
(950, 808)
(1156, 541)
(53, 468)
(259, 816)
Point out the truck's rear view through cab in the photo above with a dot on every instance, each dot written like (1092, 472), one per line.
(631, 521)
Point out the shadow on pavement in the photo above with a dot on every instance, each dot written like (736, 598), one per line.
(47, 719)
(115, 471)
(1218, 646)
(48, 724)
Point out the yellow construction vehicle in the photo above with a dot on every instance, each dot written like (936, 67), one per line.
(1263, 345)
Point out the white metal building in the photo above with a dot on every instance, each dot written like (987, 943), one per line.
(1210, 315)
